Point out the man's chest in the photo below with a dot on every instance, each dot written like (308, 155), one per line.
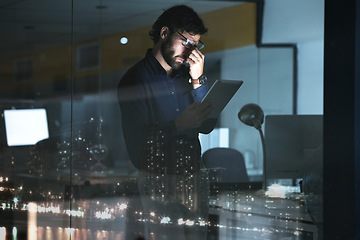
(168, 98)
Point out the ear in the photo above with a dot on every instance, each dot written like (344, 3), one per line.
(164, 32)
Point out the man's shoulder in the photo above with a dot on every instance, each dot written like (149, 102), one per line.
(134, 74)
(141, 72)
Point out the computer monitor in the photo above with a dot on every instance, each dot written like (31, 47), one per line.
(291, 141)
(25, 126)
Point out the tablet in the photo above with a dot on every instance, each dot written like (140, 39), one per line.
(220, 94)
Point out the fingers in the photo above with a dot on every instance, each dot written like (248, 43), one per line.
(201, 107)
(195, 104)
(196, 56)
(196, 62)
(202, 112)
(194, 115)
(207, 103)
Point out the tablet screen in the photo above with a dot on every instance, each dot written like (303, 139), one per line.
(220, 94)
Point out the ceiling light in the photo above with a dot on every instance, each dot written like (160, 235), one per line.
(123, 40)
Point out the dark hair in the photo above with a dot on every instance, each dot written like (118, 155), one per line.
(178, 18)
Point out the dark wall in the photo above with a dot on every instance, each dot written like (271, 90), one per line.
(341, 120)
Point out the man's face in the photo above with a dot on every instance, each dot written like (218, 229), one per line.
(173, 50)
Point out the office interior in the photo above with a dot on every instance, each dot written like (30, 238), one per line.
(67, 174)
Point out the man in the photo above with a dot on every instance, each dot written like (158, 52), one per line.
(162, 115)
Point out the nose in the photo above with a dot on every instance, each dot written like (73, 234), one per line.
(187, 52)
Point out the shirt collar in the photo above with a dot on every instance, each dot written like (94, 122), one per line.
(154, 62)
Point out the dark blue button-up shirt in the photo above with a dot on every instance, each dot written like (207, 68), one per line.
(150, 100)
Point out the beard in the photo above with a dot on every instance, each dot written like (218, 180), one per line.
(168, 54)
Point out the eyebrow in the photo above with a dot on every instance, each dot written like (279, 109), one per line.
(185, 38)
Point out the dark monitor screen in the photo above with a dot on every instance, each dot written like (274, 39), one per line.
(291, 141)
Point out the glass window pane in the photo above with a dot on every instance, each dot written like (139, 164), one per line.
(35, 72)
(123, 156)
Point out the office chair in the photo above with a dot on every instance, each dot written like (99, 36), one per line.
(230, 160)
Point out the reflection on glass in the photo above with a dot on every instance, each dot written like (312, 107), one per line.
(26, 126)
(77, 181)
(99, 152)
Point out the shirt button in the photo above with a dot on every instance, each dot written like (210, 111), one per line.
(178, 110)
(172, 93)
